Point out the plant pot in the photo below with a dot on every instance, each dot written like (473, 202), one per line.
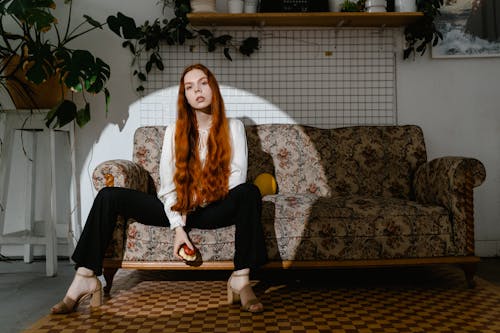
(203, 6)
(335, 5)
(405, 5)
(235, 6)
(376, 6)
(251, 6)
(28, 95)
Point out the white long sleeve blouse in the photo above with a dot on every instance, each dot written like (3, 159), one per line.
(238, 167)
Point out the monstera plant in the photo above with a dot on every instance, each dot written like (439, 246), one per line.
(34, 50)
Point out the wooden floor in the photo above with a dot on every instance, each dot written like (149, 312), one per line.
(424, 299)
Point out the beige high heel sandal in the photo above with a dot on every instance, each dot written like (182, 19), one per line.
(68, 305)
(234, 296)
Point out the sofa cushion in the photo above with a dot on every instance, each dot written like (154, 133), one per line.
(360, 160)
(368, 160)
(310, 227)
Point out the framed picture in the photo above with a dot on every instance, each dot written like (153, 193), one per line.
(470, 28)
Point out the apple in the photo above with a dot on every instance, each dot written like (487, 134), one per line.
(186, 253)
(187, 250)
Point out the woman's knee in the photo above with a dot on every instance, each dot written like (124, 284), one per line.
(108, 193)
(248, 190)
(105, 192)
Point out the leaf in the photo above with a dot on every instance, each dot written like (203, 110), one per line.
(83, 115)
(51, 116)
(435, 41)
(103, 68)
(92, 22)
(107, 99)
(223, 40)
(36, 74)
(128, 44)
(421, 47)
(406, 53)
(124, 26)
(205, 33)
(62, 114)
(211, 45)
(181, 36)
(94, 86)
(249, 45)
(226, 54)
(149, 65)
(34, 13)
(159, 64)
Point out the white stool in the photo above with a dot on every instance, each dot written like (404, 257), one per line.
(28, 154)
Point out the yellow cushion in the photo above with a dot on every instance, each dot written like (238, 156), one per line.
(266, 183)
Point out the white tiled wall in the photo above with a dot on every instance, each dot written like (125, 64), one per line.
(321, 77)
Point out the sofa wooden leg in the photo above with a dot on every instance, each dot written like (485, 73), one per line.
(108, 273)
(470, 270)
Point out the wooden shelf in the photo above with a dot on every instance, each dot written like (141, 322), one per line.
(323, 19)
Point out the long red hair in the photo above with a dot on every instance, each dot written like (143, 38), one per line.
(195, 183)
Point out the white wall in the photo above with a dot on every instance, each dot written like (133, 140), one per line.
(455, 101)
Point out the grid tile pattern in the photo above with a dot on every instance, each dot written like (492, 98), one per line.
(417, 300)
(321, 77)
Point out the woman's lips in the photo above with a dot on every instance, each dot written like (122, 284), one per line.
(200, 99)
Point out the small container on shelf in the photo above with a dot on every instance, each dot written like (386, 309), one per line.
(251, 6)
(405, 5)
(376, 6)
(203, 6)
(235, 6)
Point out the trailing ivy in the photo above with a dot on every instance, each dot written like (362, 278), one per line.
(423, 32)
(149, 37)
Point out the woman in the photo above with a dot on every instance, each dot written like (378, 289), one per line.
(202, 185)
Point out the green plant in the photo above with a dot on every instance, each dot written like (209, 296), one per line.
(29, 29)
(353, 6)
(423, 32)
(150, 37)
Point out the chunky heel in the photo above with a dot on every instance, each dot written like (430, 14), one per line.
(252, 304)
(96, 299)
(68, 305)
(232, 296)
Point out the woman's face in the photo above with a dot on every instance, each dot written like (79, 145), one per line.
(197, 90)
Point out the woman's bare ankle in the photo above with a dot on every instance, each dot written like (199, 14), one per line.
(83, 282)
(84, 271)
(240, 278)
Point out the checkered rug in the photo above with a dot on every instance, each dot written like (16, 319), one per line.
(344, 301)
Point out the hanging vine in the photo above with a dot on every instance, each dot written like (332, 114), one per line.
(423, 32)
(148, 38)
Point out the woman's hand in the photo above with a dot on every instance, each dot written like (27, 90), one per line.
(181, 237)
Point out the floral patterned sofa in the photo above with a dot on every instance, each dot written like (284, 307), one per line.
(347, 197)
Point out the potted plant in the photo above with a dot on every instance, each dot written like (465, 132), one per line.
(35, 48)
(149, 37)
(423, 32)
(352, 6)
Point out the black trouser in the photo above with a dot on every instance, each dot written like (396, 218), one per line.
(241, 207)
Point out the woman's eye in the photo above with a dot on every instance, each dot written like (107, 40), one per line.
(187, 87)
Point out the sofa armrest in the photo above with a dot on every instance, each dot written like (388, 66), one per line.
(122, 173)
(449, 182)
